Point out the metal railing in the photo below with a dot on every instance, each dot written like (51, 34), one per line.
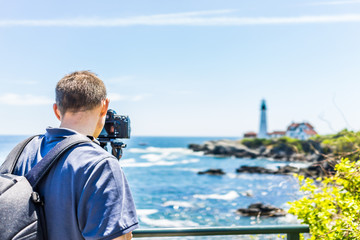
(292, 231)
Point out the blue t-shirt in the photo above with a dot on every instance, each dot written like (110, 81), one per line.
(86, 193)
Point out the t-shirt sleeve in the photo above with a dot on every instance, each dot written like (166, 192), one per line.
(106, 209)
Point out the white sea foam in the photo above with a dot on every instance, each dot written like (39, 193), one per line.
(167, 222)
(248, 193)
(132, 163)
(137, 150)
(160, 150)
(195, 170)
(293, 164)
(146, 212)
(289, 219)
(177, 204)
(152, 157)
(124, 162)
(192, 160)
(229, 196)
(232, 175)
(161, 156)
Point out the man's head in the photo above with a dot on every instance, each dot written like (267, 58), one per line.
(79, 91)
(81, 102)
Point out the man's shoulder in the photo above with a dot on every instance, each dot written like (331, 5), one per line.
(89, 154)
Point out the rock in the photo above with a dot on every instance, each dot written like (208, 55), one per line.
(245, 153)
(282, 149)
(280, 155)
(225, 148)
(238, 150)
(313, 171)
(259, 209)
(215, 172)
(196, 147)
(255, 169)
(287, 170)
(262, 150)
(248, 193)
(297, 157)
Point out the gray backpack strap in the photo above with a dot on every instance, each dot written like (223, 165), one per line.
(42, 167)
(11, 159)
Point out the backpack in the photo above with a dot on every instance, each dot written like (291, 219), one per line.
(22, 213)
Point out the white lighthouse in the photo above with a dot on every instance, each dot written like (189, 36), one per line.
(263, 123)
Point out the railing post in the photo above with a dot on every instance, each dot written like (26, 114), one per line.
(293, 236)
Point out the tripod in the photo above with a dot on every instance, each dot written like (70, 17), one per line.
(116, 147)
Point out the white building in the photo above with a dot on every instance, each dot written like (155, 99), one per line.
(300, 131)
(263, 122)
(277, 134)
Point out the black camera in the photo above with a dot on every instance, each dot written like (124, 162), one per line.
(116, 127)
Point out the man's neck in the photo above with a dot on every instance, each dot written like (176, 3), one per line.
(82, 122)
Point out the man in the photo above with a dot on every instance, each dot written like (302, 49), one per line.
(86, 194)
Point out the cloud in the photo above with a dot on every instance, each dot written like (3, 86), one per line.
(120, 79)
(114, 97)
(336, 2)
(202, 18)
(28, 83)
(24, 100)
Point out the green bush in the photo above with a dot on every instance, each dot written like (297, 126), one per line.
(256, 142)
(331, 206)
(283, 143)
(342, 144)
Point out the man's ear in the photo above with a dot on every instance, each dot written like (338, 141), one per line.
(104, 107)
(57, 111)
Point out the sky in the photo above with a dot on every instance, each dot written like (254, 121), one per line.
(186, 68)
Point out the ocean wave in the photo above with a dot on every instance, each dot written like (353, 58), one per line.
(159, 150)
(166, 151)
(195, 170)
(229, 196)
(177, 204)
(289, 219)
(126, 161)
(143, 214)
(146, 212)
(276, 165)
(155, 154)
(168, 223)
(152, 157)
(132, 163)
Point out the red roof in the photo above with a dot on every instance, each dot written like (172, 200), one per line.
(310, 132)
(295, 125)
(250, 134)
(309, 125)
(277, 133)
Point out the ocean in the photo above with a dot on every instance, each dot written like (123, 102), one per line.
(168, 192)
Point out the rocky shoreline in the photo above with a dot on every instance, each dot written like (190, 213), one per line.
(228, 148)
(280, 151)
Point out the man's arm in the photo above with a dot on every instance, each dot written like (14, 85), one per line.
(127, 236)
